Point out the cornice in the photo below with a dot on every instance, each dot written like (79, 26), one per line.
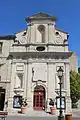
(41, 61)
(41, 54)
(39, 44)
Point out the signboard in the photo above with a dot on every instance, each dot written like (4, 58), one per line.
(63, 103)
(16, 101)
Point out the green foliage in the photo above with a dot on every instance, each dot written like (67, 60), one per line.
(74, 105)
(75, 86)
(51, 102)
(23, 102)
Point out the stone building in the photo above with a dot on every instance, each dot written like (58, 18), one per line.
(29, 61)
(73, 62)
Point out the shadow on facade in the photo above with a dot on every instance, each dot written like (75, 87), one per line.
(2, 98)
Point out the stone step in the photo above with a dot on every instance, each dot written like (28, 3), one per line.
(31, 112)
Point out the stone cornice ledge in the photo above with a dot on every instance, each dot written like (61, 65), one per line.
(66, 61)
(40, 44)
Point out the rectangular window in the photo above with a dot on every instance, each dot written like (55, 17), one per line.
(0, 78)
(0, 47)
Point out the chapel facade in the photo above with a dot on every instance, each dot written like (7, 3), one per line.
(29, 62)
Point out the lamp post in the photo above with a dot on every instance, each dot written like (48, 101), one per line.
(60, 75)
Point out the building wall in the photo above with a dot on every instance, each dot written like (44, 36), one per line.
(74, 62)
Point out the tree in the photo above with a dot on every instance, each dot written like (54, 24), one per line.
(74, 86)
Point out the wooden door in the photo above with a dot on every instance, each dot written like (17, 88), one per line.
(39, 99)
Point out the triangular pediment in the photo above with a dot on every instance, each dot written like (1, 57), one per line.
(41, 15)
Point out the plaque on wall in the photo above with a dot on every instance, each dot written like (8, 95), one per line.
(63, 102)
(16, 101)
(19, 67)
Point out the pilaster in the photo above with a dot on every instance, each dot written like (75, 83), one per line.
(50, 33)
(10, 100)
(25, 79)
(50, 83)
(29, 92)
(29, 33)
(68, 99)
(46, 33)
(32, 33)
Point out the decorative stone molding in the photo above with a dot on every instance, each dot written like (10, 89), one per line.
(38, 83)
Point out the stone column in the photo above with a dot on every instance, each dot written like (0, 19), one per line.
(29, 92)
(67, 77)
(50, 83)
(51, 33)
(46, 33)
(32, 33)
(11, 93)
(35, 31)
(29, 33)
(25, 80)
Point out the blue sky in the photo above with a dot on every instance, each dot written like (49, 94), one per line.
(14, 12)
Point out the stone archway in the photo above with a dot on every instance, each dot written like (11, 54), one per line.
(2, 98)
(39, 98)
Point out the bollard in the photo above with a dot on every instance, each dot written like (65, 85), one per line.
(68, 117)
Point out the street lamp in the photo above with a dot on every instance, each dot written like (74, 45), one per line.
(60, 75)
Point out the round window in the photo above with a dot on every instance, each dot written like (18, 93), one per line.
(57, 33)
(40, 48)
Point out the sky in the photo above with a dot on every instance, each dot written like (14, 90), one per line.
(14, 12)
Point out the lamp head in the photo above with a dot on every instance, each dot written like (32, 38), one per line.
(60, 72)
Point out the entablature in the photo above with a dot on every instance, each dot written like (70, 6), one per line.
(39, 47)
(55, 55)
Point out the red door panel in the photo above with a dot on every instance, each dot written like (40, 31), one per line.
(38, 99)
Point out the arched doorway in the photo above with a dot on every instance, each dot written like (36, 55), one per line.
(2, 98)
(39, 98)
